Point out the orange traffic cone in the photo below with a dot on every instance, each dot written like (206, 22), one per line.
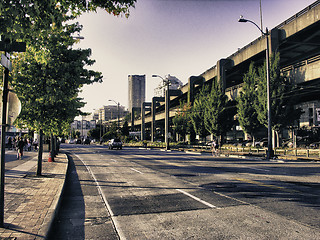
(50, 158)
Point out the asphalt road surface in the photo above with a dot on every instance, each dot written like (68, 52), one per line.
(151, 194)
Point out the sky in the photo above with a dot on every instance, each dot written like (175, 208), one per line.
(182, 38)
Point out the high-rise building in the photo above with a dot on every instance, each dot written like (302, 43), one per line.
(137, 90)
(175, 84)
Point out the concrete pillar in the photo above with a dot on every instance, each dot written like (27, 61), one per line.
(154, 104)
(143, 115)
(222, 66)
(193, 82)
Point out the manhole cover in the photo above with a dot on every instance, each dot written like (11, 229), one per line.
(184, 175)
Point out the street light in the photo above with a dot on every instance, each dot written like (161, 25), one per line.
(118, 111)
(166, 82)
(266, 34)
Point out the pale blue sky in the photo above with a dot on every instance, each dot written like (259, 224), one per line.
(177, 37)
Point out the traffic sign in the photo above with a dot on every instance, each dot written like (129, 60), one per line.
(12, 47)
(13, 107)
(6, 62)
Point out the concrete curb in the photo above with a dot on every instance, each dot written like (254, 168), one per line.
(48, 224)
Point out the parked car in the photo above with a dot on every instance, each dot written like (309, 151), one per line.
(72, 141)
(115, 143)
(87, 141)
(262, 142)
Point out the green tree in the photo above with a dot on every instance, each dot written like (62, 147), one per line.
(283, 112)
(247, 115)
(125, 129)
(197, 112)
(181, 121)
(215, 116)
(28, 19)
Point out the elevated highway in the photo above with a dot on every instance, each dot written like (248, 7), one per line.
(297, 40)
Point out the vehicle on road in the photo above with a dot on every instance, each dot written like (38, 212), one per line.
(87, 141)
(115, 143)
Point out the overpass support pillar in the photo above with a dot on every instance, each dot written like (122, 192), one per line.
(193, 82)
(134, 110)
(144, 105)
(222, 66)
(154, 104)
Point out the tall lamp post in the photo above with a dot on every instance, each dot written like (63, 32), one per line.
(118, 111)
(266, 34)
(166, 82)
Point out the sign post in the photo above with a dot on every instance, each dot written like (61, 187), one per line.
(5, 61)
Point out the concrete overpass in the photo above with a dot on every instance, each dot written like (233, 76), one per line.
(297, 40)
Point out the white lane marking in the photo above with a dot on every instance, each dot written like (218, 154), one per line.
(98, 186)
(197, 199)
(115, 222)
(260, 169)
(136, 170)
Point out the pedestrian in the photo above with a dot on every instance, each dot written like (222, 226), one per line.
(20, 146)
(29, 145)
(35, 144)
(214, 148)
(9, 143)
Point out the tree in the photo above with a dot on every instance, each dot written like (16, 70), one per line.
(125, 129)
(247, 115)
(181, 121)
(198, 111)
(215, 115)
(283, 113)
(27, 20)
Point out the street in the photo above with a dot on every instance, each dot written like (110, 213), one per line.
(151, 194)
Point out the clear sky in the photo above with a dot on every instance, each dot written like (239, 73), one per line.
(177, 37)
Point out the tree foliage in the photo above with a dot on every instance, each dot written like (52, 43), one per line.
(246, 102)
(28, 20)
(198, 111)
(283, 113)
(215, 115)
(48, 81)
(181, 121)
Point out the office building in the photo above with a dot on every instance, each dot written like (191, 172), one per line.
(137, 91)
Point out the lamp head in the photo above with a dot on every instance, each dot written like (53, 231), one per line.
(241, 19)
(154, 75)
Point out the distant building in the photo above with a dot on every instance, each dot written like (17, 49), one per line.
(137, 91)
(109, 112)
(175, 84)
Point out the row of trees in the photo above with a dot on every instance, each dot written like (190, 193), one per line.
(212, 113)
(48, 77)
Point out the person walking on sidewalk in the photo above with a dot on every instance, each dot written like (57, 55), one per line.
(20, 146)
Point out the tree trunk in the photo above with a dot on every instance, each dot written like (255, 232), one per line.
(52, 147)
(40, 151)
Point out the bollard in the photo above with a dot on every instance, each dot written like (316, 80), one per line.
(50, 158)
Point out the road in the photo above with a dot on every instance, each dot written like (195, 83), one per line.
(152, 194)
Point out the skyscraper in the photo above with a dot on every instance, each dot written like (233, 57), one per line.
(137, 90)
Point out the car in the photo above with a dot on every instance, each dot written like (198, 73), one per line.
(262, 142)
(87, 141)
(72, 141)
(115, 143)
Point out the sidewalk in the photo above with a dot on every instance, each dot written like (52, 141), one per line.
(31, 201)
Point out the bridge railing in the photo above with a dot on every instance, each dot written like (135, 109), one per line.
(302, 12)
